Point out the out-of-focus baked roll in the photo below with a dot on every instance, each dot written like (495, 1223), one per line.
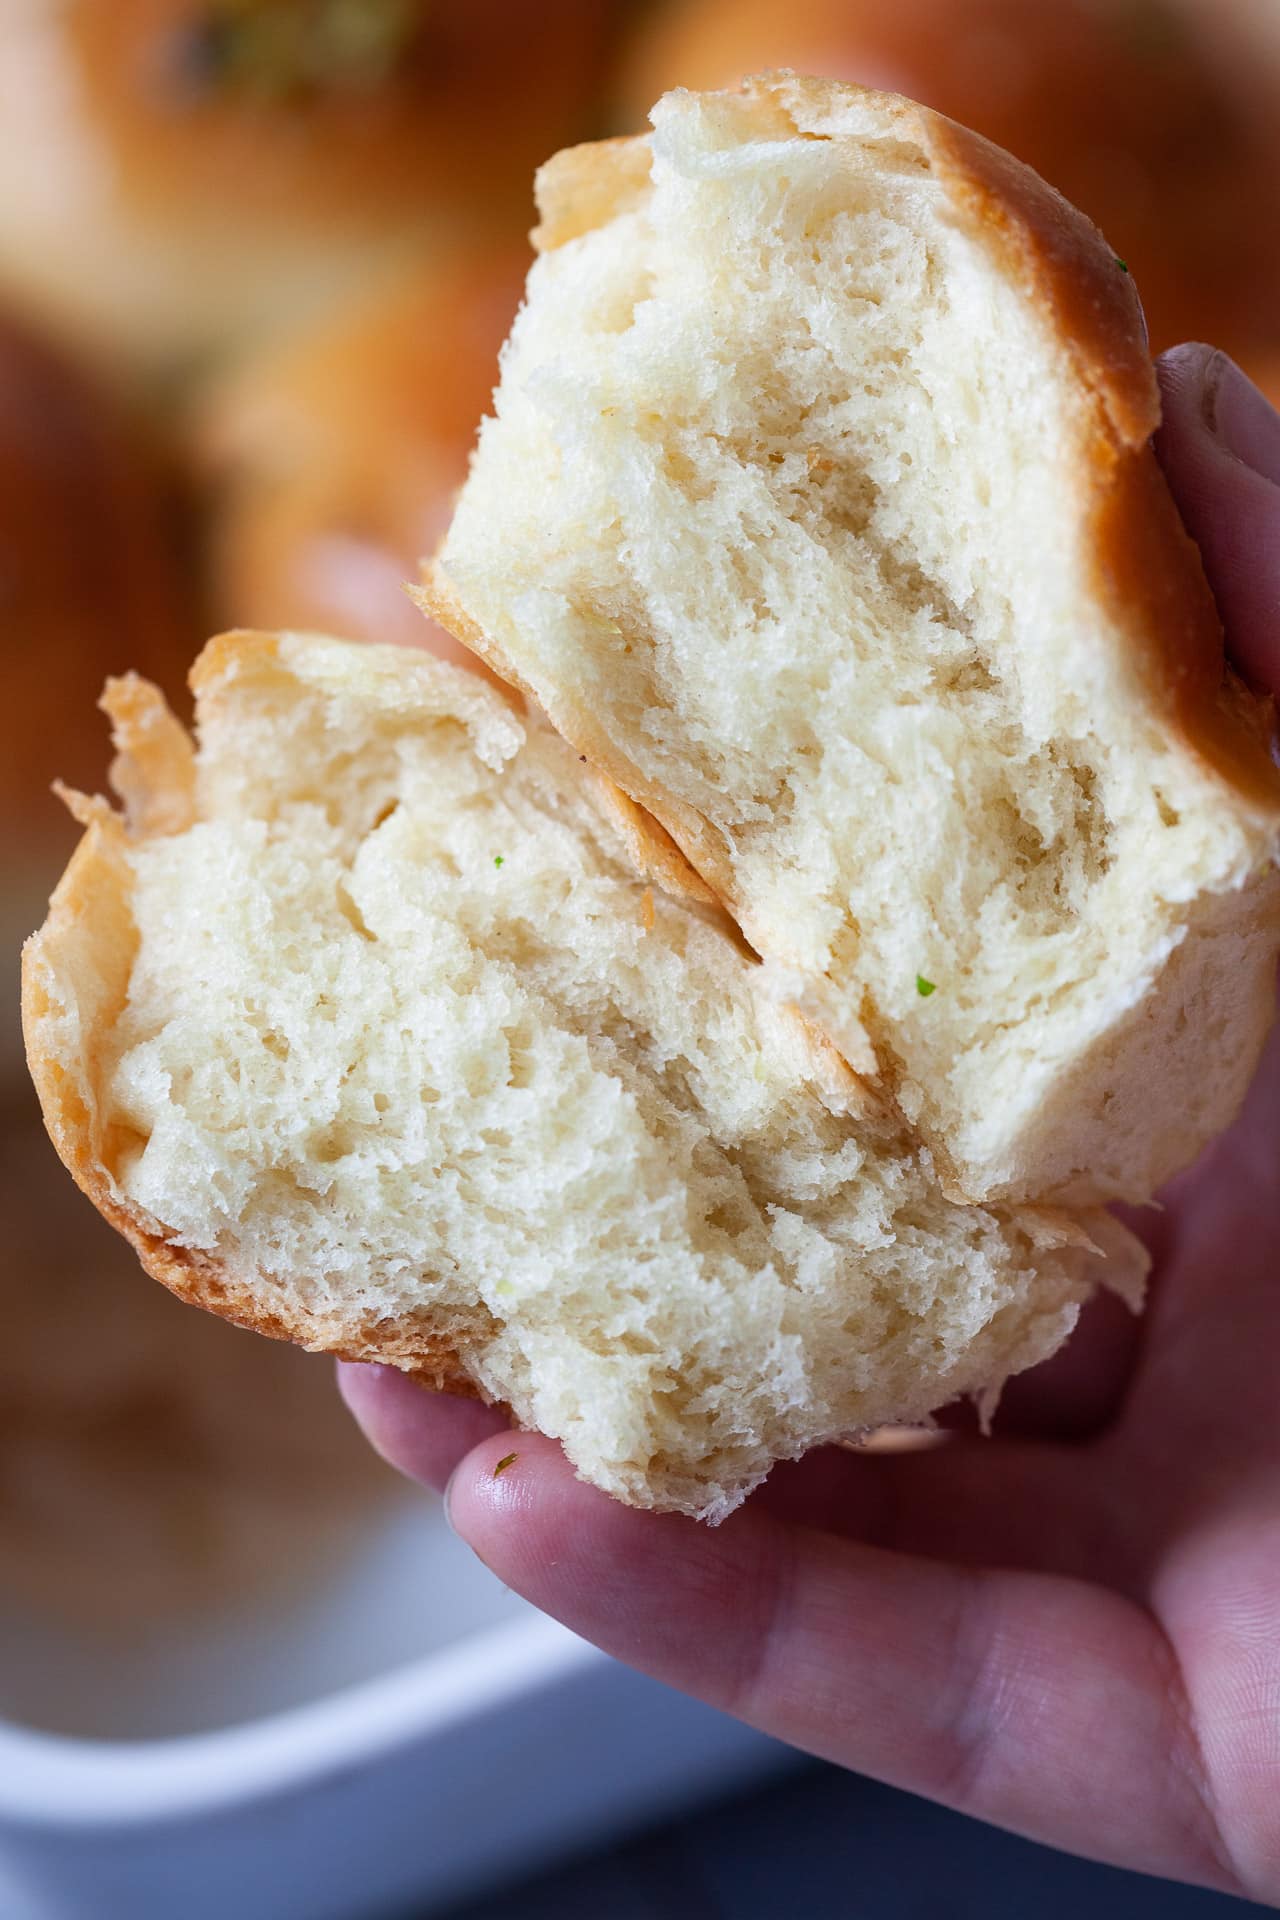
(331, 463)
(91, 576)
(127, 1494)
(212, 170)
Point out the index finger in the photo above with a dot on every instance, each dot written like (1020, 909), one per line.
(1045, 1705)
(1220, 450)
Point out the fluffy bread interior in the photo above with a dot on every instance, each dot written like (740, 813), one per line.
(367, 1032)
(815, 519)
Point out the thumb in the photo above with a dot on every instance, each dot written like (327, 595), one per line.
(1220, 450)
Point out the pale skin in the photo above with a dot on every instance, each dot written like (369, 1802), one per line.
(1072, 1629)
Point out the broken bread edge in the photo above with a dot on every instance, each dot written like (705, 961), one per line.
(76, 982)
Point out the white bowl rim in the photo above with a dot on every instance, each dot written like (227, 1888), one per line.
(66, 1781)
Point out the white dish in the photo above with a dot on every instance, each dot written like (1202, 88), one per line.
(246, 1673)
(408, 1732)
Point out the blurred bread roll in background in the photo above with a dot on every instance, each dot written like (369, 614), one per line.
(330, 464)
(211, 171)
(152, 1464)
(1156, 117)
(91, 576)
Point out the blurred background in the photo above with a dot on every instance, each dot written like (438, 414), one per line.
(256, 261)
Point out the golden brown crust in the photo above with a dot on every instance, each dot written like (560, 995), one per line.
(1148, 573)
(1063, 263)
(582, 187)
(154, 771)
(1147, 570)
(655, 853)
(226, 653)
(434, 597)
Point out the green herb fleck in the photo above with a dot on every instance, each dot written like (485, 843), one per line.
(924, 987)
(508, 1459)
(1122, 264)
(497, 859)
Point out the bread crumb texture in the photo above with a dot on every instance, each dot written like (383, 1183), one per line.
(792, 515)
(372, 1034)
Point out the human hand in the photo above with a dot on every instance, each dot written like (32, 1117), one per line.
(1073, 1629)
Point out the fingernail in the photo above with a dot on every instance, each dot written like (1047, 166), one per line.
(448, 1498)
(1242, 418)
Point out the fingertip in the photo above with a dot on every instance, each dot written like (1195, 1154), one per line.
(1219, 445)
(1185, 362)
(613, 1573)
(503, 1482)
(1185, 376)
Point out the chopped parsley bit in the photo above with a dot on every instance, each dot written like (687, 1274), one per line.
(497, 859)
(1122, 264)
(924, 987)
(508, 1459)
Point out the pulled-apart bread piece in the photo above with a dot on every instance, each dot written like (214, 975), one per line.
(819, 510)
(362, 1027)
